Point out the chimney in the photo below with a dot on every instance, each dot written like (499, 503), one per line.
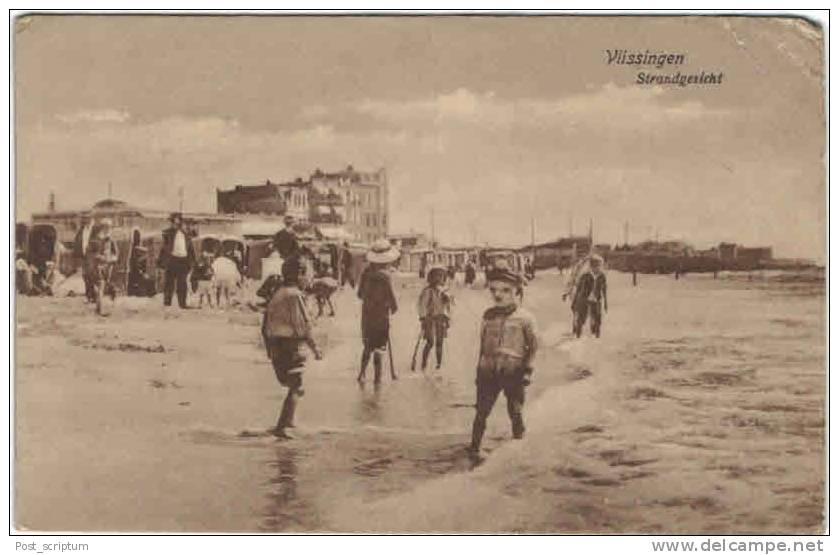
(51, 206)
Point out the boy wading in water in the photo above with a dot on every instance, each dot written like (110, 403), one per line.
(508, 345)
(590, 292)
(286, 329)
(378, 303)
(434, 307)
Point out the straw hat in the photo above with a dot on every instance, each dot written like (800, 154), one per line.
(382, 252)
(501, 264)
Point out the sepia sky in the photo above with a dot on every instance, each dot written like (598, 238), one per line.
(489, 120)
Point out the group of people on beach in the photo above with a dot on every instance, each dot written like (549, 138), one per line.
(97, 254)
(210, 275)
(508, 336)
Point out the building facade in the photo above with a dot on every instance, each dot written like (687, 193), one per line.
(408, 241)
(126, 219)
(352, 203)
(562, 253)
(277, 199)
(365, 196)
(753, 257)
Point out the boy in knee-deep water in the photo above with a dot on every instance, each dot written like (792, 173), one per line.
(287, 331)
(378, 302)
(434, 308)
(508, 345)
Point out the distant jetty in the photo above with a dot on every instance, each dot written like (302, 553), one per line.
(661, 257)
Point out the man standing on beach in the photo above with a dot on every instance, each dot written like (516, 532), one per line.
(588, 296)
(469, 273)
(508, 346)
(285, 241)
(176, 259)
(575, 271)
(346, 266)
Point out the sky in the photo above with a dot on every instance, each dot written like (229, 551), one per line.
(494, 123)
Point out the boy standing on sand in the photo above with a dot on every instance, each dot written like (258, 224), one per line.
(434, 308)
(202, 279)
(286, 329)
(508, 345)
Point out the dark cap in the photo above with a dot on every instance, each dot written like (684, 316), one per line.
(176, 216)
(502, 272)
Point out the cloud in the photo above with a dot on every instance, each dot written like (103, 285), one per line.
(95, 116)
(483, 162)
(607, 107)
(148, 161)
(317, 137)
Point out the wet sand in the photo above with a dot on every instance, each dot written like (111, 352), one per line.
(700, 410)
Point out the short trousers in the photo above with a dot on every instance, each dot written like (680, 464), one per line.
(287, 359)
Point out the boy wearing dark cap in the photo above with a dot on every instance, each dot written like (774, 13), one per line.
(434, 308)
(286, 330)
(508, 345)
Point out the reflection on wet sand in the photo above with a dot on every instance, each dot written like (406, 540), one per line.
(285, 509)
(369, 407)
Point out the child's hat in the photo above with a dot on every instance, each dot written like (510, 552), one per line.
(382, 252)
(501, 272)
(435, 269)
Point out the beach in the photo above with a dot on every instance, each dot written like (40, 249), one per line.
(700, 410)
